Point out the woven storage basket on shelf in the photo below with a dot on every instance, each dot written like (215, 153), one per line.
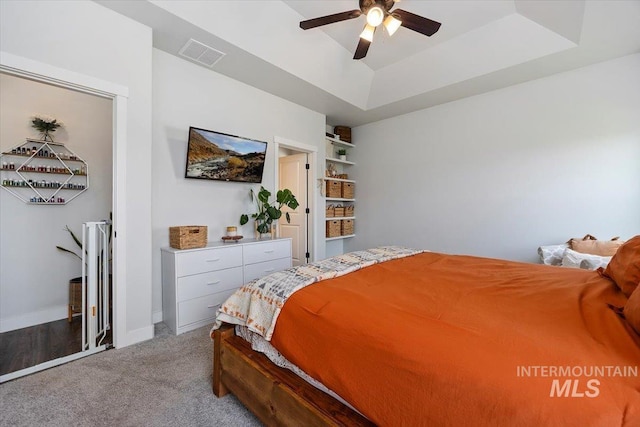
(349, 210)
(347, 227)
(333, 228)
(330, 213)
(348, 190)
(342, 176)
(188, 236)
(343, 132)
(334, 188)
(338, 211)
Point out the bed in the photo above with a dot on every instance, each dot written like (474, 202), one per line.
(404, 337)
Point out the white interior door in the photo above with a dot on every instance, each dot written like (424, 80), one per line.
(293, 175)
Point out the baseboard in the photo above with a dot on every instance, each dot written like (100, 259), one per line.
(34, 318)
(136, 336)
(157, 317)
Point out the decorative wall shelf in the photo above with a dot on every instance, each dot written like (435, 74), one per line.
(343, 162)
(340, 143)
(23, 170)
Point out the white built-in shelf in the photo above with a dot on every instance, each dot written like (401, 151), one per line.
(335, 141)
(339, 199)
(340, 217)
(333, 144)
(343, 162)
(340, 237)
(338, 179)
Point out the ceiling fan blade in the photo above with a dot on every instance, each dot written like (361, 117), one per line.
(417, 23)
(362, 49)
(329, 19)
(363, 45)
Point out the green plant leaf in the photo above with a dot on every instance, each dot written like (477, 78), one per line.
(244, 218)
(293, 203)
(71, 252)
(288, 217)
(273, 212)
(75, 238)
(263, 195)
(263, 227)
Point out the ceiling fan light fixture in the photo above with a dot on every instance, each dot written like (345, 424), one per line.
(392, 24)
(375, 16)
(367, 33)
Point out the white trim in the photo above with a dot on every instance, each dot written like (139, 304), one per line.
(119, 244)
(50, 74)
(138, 335)
(312, 151)
(49, 364)
(20, 66)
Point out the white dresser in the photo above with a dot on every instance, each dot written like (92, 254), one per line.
(196, 281)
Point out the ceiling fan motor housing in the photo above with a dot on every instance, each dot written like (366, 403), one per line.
(386, 5)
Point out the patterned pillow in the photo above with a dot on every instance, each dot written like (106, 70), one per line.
(624, 268)
(575, 259)
(552, 254)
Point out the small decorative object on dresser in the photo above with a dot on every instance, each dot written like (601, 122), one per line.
(188, 236)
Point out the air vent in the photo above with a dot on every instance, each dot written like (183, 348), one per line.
(201, 53)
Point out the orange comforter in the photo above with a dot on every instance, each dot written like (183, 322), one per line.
(438, 339)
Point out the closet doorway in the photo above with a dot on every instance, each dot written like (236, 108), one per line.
(39, 327)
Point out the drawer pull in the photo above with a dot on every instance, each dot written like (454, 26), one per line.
(213, 260)
(269, 251)
(269, 270)
(213, 306)
(213, 283)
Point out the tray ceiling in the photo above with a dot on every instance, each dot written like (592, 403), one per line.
(481, 46)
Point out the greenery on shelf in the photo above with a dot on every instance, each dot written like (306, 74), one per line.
(268, 211)
(342, 152)
(45, 125)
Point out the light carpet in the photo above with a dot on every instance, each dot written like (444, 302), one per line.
(165, 381)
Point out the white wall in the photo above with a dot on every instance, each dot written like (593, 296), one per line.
(86, 38)
(185, 94)
(34, 275)
(502, 173)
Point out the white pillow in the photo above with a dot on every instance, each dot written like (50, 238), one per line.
(552, 254)
(575, 259)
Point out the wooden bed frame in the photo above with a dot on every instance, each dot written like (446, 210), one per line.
(277, 396)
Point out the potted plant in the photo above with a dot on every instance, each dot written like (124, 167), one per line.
(75, 294)
(269, 211)
(45, 125)
(342, 154)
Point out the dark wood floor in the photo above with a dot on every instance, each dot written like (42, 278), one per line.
(26, 347)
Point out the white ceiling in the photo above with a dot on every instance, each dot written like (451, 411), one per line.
(481, 46)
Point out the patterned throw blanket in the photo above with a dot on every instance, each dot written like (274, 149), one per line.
(257, 304)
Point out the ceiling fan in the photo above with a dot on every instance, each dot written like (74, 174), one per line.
(377, 12)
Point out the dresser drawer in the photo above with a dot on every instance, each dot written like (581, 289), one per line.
(259, 269)
(201, 308)
(196, 262)
(198, 285)
(267, 251)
